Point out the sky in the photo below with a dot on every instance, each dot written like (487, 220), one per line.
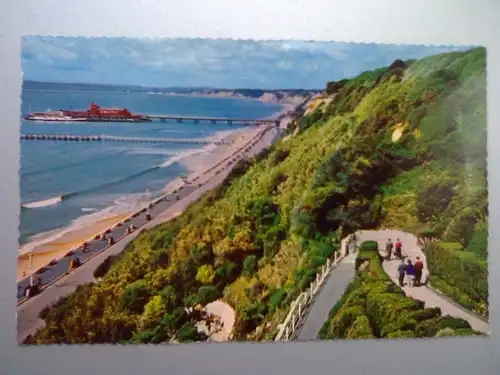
(207, 63)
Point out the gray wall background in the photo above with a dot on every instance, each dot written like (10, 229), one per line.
(461, 22)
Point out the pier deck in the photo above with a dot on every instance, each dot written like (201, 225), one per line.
(109, 138)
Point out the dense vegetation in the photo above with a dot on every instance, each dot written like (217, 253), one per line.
(375, 307)
(400, 147)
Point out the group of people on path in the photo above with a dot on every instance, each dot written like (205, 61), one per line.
(412, 271)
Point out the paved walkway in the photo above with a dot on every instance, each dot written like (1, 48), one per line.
(331, 292)
(27, 313)
(423, 293)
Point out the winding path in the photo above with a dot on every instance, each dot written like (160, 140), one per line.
(341, 275)
(423, 293)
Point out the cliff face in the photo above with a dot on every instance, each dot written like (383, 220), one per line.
(275, 97)
(401, 147)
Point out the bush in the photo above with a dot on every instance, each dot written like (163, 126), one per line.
(430, 327)
(207, 294)
(478, 243)
(135, 296)
(307, 279)
(433, 200)
(278, 156)
(205, 274)
(315, 262)
(360, 329)
(188, 333)
(276, 299)
(249, 265)
(369, 246)
(401, 334)
(103, 268)
(460, 269)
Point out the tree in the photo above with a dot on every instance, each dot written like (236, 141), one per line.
(135, 296)
(249, 265)
(205, 274)
(154, 311)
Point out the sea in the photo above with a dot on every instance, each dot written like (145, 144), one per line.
(66, 185)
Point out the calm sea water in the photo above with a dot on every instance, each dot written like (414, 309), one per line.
(65, 184)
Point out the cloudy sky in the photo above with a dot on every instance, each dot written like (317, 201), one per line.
(213, 63)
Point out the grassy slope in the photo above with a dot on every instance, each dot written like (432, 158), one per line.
(258, 241)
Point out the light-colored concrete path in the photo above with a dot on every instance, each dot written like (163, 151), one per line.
(331, 292)
(27, 313)
(425, 294)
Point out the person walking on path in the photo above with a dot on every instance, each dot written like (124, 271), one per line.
(399, 246)
(388, 249)
(410, 273)
(401, 273)
(419, 266)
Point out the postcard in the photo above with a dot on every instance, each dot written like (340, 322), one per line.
(201, 190)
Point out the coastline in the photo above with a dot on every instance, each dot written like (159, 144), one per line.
(291, 100)
(28, 309)
(34, 257)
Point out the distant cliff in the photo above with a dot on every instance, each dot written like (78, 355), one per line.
(293, 97)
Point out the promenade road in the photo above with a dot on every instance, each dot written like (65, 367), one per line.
(27, 313)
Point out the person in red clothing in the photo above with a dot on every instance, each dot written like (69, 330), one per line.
(419, 266)
(398, 247)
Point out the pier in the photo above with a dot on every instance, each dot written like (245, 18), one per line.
(213, 120)
(109, 138)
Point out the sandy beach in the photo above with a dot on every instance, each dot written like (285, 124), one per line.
(202, 168)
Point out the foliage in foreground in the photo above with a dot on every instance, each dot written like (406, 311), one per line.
(400, 147)
(375, 307)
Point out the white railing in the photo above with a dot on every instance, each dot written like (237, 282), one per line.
(298, 309)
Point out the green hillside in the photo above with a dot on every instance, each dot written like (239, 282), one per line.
(400, 147)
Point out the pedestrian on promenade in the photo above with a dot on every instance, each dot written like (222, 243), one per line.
(410, 273)
(388, 249)
(401, 273)
(419, 266)
(399, 246)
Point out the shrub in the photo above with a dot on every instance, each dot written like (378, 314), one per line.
(307, 279)
(360, 329)
(478, 243)
(316, 262)
(433, 200)
(401, 334)
(369, 246)
(431, 327)
(207, 294)
(455, 267)
(103, 268)
(344, 319)
(205, 274)
(188, 333)
(135, 296)
(278, 156)
(249, 265)
(276, 299)
(154, 310)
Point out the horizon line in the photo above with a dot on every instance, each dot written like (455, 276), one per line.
(172, 87)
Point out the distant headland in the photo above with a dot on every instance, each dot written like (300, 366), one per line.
(278, 96)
